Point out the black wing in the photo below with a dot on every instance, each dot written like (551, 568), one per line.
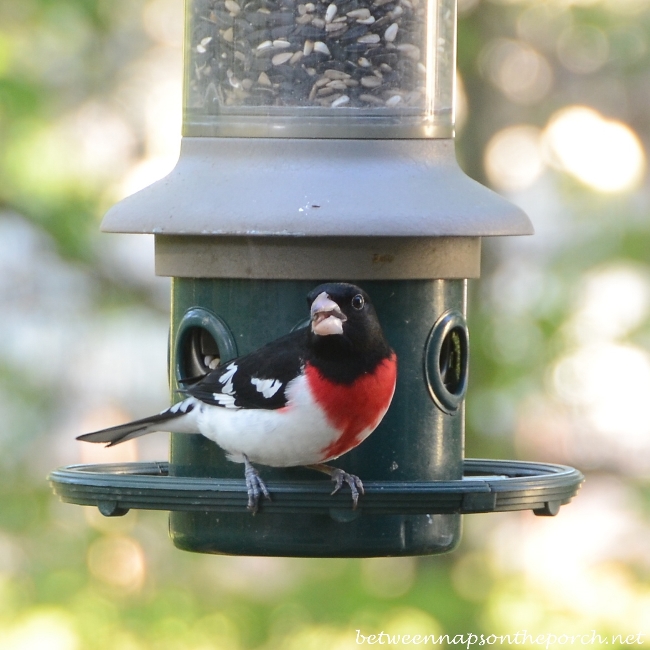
(257, 380)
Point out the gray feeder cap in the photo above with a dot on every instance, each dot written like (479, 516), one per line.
(317, 187)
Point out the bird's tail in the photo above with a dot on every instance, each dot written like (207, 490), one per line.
(159, 422)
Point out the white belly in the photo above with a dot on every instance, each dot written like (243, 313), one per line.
(294, 435)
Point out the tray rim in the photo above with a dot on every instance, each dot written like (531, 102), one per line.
(488, 485)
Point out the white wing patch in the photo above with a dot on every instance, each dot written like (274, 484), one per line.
(226, 379)
(222, 399)
(268, 387)
(181, 406)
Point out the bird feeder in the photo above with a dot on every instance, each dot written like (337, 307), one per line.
(318, 146)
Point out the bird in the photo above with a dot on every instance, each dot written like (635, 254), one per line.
(303, 399)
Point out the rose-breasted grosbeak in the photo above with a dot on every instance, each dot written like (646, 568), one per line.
(303, 399)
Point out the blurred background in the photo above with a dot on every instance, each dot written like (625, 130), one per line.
(554, 113)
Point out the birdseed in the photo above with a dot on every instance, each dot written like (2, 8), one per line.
(347, 53)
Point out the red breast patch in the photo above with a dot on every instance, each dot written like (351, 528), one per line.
(355, 408)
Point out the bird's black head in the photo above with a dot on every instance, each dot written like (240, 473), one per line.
(344, 319)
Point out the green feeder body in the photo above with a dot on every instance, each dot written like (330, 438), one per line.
(278, 189)
(416, 440)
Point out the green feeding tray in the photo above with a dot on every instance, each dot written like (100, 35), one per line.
(486, 486)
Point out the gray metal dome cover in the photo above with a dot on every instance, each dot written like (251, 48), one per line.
(317, 187)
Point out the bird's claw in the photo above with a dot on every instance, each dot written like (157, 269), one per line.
(356, 486)
(254, 486)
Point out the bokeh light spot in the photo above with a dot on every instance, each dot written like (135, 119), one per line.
(163, 21)
(519, 71)
(48, 629)
(605, 155)
(610, 383)
(513, 159)
(583, 49)
(612, 301)
(118, 562)
(540, 23)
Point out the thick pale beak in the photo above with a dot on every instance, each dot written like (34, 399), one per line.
(326, 316)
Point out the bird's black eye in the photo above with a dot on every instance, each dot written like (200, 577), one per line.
(358, 302)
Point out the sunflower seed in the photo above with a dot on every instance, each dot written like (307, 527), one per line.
(232, 7)
(371, 82)
(201, 47)
(359, 13)
(336, 74)
(335, 28)
(369, 39)
(330, 13)
(371, 99)
(412, 51)
(279, 59)
(343, 99)
(319, 46)
(391, 33)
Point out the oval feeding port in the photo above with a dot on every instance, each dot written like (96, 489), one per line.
(203, 341)
(451, 361)
(446, 361)
(200, 353)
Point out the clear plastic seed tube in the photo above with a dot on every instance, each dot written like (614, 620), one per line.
(343, 68)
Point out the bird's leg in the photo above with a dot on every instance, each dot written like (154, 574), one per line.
(339, 477)
(254, 485)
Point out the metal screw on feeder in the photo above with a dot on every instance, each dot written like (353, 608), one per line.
(318, 145)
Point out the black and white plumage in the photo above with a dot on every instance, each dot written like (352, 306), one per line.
(302, 399)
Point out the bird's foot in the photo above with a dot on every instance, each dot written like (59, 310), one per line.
(339, 477)
(356, 486)
(255, 486)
